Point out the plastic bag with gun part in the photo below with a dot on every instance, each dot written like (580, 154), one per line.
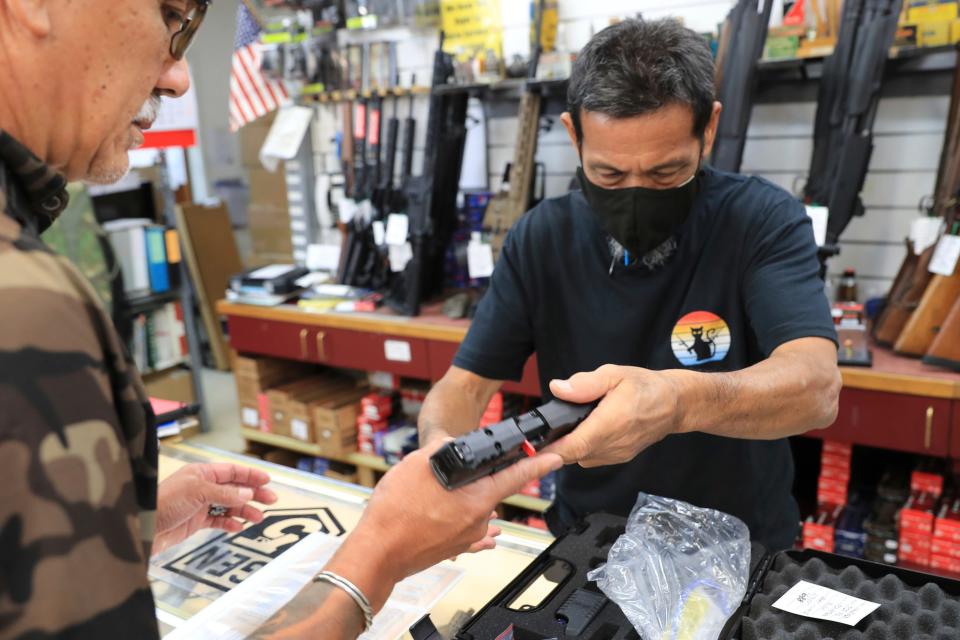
(679, 571)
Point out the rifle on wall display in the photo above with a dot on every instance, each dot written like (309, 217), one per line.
(431, 197)
(846, 109)
(743, 38)
(913, 277)
(944, 350)
(513, 199)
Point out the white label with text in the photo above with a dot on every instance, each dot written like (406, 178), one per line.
(813, 601)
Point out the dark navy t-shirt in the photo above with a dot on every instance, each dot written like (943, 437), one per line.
(743, 280)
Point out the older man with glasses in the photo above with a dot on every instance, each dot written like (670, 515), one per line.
(80, 507)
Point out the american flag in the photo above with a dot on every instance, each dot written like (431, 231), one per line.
(252, 95)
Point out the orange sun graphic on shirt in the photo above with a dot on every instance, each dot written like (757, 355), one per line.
(700, 337)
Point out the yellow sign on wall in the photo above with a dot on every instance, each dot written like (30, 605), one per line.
(472, 29)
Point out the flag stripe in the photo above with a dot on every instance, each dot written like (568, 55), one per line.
(255, 79)
(246, 87)
(253, 60)
(241, 99)
(252, 94)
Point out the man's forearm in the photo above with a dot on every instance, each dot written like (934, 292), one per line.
(787, 394)
(454, 406)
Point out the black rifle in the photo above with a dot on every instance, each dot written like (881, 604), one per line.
(846, 110)
(355, 244)
(409, 133)
(745, 33)
(431, 197)
(384, 191)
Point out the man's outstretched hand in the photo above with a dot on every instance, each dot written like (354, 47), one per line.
(184, 500)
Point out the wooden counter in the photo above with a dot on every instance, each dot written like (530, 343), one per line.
(890, 372)
(899, 403)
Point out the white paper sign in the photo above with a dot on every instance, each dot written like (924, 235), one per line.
(813, 601)
(945, 256)
(379, 232)
(400, 256)
(397, 351)
(347, 208)
(286, 135)
(323, 257)
(479, 259)
(924, 233)
(250, 417)
(299, 429)
(819, 217)
(398, 224)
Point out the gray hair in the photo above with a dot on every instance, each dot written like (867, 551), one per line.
(638, 66)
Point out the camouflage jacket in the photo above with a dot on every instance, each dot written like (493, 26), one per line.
(78, 448)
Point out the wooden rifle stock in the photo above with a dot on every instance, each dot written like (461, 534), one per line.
(926, 321)
(907, 293)
(945, 350)
(904, 296)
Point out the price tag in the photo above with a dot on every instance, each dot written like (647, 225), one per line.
(379, 232)
(299, 429)
(250, 417)
(479, 259)
(347, 208)
(819, 217)
(397, 227)
(397, 351)
(945, 256)
(813, 601)
(924, 233)
(400, 256)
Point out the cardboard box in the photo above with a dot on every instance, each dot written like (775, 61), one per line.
(335, 424)
(253, 376)
(945, 563)
(941, 547)
(933, 34)
(267, 188)
(917, 514)
(290, 403)
(836, 460)
(844, 449)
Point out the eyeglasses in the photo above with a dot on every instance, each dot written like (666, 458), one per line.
(184, 28)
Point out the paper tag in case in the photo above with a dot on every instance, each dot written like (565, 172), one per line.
(813, 601)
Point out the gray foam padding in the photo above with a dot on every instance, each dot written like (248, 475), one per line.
(918, 613)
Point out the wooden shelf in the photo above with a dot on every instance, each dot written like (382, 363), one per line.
(898, 374)
(430, 327)
(350, 95)
(365, 461)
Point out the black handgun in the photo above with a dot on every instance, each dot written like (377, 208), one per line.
(489, 449)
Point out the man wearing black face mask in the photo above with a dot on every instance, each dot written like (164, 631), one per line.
(686, 298)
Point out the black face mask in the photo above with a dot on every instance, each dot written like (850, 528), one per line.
(641, 219)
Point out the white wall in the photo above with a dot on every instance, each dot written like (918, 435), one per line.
(210, 60)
